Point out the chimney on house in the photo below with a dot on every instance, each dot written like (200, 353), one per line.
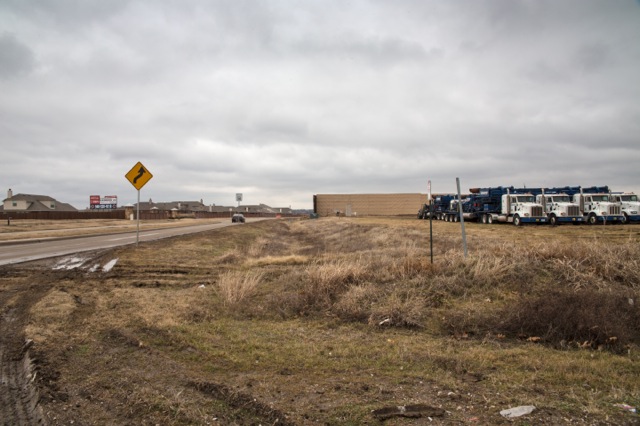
(9, 193)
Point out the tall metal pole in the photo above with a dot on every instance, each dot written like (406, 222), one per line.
(430, 200)
(138, 219)
(431, 228)
(464, 235)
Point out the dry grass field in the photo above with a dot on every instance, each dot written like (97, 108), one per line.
(340, 321)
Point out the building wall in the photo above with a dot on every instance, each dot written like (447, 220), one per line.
(20, 205)
(369, 204)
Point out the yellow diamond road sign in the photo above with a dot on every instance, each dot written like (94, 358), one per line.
(138, 175)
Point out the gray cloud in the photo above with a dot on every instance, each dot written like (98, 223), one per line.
(281, 100)
(16, 58)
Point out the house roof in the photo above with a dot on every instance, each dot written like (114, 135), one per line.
(29, 197)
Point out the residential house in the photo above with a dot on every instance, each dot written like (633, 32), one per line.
(180, 206)
(199, 206)
(263, 208)
(33, 203)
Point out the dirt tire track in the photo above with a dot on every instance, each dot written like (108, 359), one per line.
(18, 390)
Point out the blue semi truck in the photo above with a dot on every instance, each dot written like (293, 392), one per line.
(444, 207)
(504, 204)
(596, 204)
(558, 205)
(568, 204)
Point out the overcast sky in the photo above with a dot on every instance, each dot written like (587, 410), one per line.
(282, 99)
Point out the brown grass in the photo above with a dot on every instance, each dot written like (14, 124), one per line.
(326, 320)
(235, 286)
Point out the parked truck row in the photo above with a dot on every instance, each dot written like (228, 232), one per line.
(569, 204)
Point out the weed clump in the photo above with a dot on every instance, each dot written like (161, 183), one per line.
(236, 286)
(585, 318)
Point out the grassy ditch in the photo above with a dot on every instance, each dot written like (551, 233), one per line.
(325, 321)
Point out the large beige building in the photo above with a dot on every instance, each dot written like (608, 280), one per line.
(368, 204)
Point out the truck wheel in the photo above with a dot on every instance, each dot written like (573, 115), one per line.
(625, 219)
(553, 220)
(592, 220)
(489, 219)
(516, 220)
(456, 218)
(483, 219)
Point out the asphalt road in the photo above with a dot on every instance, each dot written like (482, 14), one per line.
(23, 252)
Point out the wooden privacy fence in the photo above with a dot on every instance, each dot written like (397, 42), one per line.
(127, 214)
(53, 215)
(161, 215)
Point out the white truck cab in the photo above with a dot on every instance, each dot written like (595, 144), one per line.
(598, 208)
(560, 208)
(629, 205)
(521, 208)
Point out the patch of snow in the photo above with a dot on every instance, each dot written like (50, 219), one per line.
(70, 263)
(94, 267)
(110, 265)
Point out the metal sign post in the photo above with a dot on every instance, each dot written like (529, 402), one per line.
(464, 235)
(138, 219)
(430, 201)
(138, 176)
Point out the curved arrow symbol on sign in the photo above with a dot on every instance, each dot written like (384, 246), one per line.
(141, 171)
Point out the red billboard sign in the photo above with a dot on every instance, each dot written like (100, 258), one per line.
(106, 202)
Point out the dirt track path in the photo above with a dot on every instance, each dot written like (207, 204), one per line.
(18, 392)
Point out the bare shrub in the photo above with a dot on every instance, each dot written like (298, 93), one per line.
(585, 316)
(235, 286)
